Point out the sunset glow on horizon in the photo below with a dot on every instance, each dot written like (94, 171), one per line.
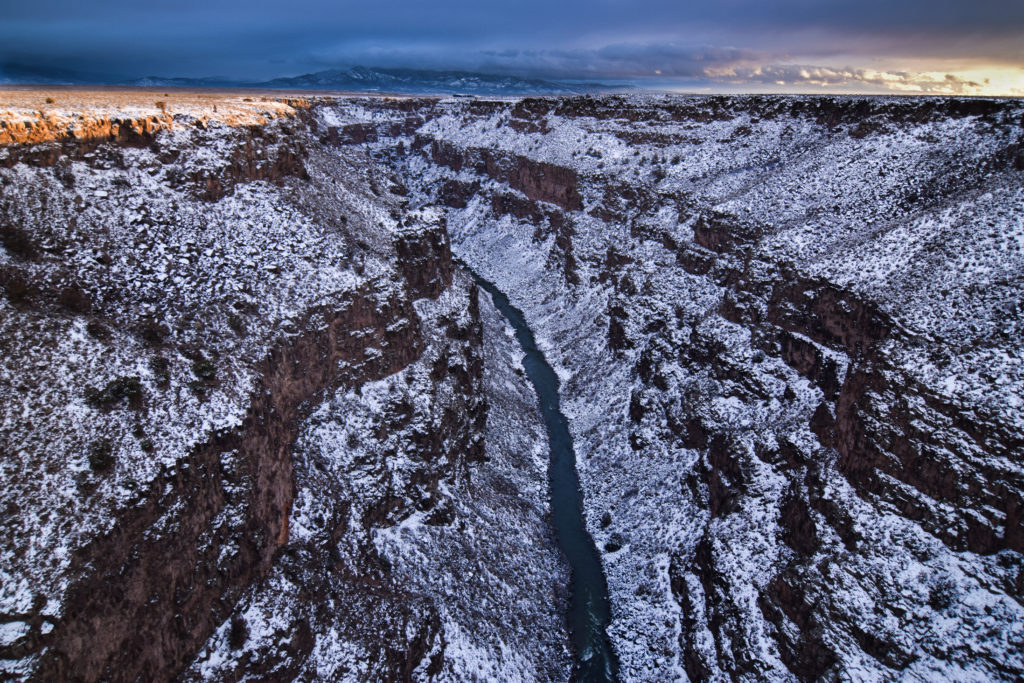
(938, 47)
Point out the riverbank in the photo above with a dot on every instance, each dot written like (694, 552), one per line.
(589, 612)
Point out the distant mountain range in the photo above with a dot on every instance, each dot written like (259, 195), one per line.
(415, 80)
(358, 79)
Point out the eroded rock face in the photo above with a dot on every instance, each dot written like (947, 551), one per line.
(780, 384)
(158, 584)
(122, 131)
(419, 516)
(257, 425)
(174, 315)
(537, 180)
(424, 255)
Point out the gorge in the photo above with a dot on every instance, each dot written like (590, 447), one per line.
(259, 423)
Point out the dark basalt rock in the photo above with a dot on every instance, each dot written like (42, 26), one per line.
(145, 602)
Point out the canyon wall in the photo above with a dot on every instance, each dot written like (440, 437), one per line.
(257, 424)
(790, 333)
(183, 309)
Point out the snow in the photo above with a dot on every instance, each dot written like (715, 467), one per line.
(172, 259)
(922, 219)
(495, 556)
(906, 240)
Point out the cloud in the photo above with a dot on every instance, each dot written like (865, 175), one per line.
(621, 60)
(783, 75)
(724, 42)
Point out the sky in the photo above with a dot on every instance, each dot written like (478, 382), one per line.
(916, 46)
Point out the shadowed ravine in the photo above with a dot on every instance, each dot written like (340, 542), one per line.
(589, 613)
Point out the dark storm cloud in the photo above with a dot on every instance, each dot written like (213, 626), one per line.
(619, 60)
(260, 38)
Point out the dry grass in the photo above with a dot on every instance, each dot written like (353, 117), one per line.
(32, 115)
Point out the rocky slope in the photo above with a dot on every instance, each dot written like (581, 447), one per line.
(256, 425)
(790, 330)
(190, 317)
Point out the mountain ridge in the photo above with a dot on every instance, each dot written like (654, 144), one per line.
(356, 78)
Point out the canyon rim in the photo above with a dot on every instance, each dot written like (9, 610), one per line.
(258, 421)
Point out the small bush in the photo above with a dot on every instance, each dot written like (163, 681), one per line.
(153, 332)
(942, 594)
(17, 241)
(16, 287)
(75, 299)
(238, 634)
(161, 368)
(128, 387)
(236, 323)
(97, 330)
(198, 387)
(49, 100)
(65, 173)
(614, 544)
(204, 369)
(101, 455)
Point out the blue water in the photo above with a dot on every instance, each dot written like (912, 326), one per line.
(589, 613)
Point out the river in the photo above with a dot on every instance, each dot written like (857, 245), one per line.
(589, 612)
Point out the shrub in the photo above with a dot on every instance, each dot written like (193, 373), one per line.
(238, 634)
(942, 594)
(153, 332)
(75, 299)
(101, 455)
(198, 388)
(127, 387)
(16, 286)
(236, 324)
(615, 542)
(49, 100)
(97, 330)
(17, 241)
(161, 368)
(204, 369)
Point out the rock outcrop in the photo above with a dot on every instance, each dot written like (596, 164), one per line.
(181, 309)
(762, 330)
(157, 585)
(257, 424)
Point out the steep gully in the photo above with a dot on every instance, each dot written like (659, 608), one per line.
(589, 611)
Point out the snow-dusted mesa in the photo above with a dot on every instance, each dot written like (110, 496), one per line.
(256, 422)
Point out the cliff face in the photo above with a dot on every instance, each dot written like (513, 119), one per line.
(150, 594)
(405, 544)
(181, 310)
(68, 117)
(256, 423)
(791, 327)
